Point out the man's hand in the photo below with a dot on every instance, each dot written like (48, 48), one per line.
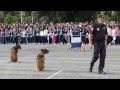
(90, 40)
(106, 37)
(106, 45)
(90, 45)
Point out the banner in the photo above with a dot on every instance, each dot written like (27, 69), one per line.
(76, 38)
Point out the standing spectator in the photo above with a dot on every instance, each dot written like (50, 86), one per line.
(0, 37)
(7, 36)
(28, 34)
(49, 35)
(31, 33)
(14, 35)
(11, 36)
(83, 38)
(23, 34)
(45, 34)
(117, 36)
(113, 35)
(86, 38)
(37, 35)
(109, 30)
(61, 34)
(3, 36)
(53, 38)
(65, 36)
(42, 36)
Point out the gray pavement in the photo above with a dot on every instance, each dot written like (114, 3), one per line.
(59, 63)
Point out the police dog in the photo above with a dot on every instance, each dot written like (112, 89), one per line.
(39, 63)
(14, 52)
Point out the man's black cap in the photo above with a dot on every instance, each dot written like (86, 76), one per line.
(100, 16)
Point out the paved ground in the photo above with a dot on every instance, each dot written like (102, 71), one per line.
(59, 64)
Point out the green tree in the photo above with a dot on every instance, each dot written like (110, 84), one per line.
(11, 19)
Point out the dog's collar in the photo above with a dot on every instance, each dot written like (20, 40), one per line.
(13, 49)
(38, 57)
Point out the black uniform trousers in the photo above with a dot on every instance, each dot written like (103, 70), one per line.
(99, 52)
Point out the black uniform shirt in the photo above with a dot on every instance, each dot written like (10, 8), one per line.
(99, 32)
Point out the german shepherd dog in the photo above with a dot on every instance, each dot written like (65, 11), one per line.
(39, 63)
(14, 52)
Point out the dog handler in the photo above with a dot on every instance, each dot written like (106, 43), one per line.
(99, 35)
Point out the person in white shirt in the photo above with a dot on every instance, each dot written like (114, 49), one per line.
(23, 35)
(41, 35)
(45, 34)
(110, 38)
(31, 35)
(113, 35)
(49, 36)
(37, 35)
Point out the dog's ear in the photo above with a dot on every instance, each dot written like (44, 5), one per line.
(19, 47)
(42, 50)
(12, 48)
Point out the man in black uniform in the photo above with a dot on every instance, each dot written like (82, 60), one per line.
(99, 35)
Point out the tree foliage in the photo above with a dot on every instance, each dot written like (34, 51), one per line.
(57, 16)
(11, 19)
